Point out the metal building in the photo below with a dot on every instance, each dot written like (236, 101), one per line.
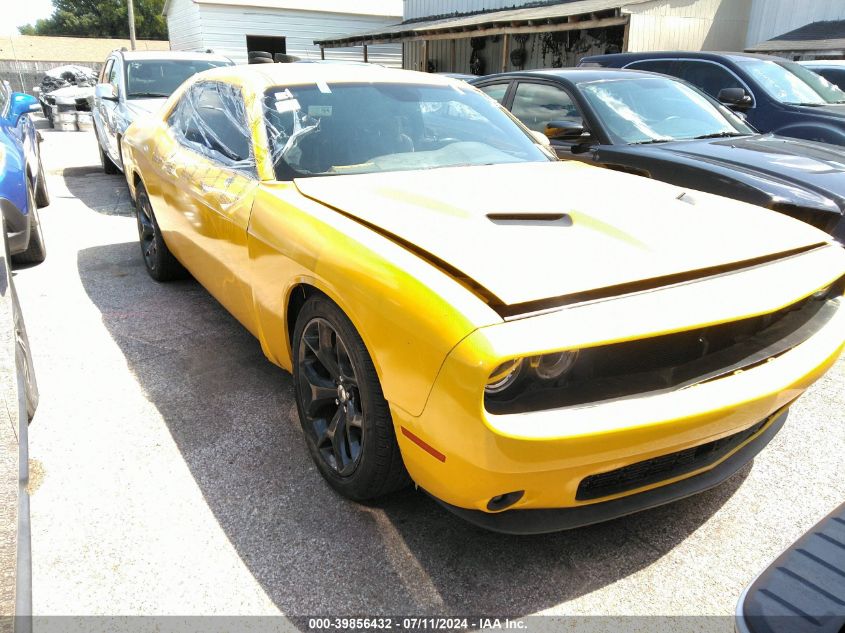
(234, 27)
(481, 36)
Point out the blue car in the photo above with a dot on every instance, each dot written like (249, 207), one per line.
(23, 187)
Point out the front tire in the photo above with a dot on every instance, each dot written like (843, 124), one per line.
(344, 416)
(160, 263)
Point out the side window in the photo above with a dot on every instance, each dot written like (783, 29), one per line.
(495, 91)
(708, 77)
(113, 74)
(835, 76)
(211, 119)
(662, 66)
(105, 74)
(537, 104)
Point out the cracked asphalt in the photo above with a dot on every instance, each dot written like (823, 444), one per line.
(170, 476)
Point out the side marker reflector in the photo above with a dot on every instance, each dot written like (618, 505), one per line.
(426, 447)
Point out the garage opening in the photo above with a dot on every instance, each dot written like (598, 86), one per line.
(273, 45)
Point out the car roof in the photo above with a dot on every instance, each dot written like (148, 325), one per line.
(713, 55)
(175, 55)
(836, 63)
(261, 76)
(575, 75)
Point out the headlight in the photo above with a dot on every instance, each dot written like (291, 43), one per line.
(542, 369)
(504, 376)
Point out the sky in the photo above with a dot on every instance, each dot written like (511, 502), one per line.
(19, 12)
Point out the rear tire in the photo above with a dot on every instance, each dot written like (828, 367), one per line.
(36, 251)
(345, 419)
(160, 263)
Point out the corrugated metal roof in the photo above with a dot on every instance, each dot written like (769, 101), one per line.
(816, 36)
(525, 16)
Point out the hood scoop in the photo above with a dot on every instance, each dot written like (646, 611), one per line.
(530, 219)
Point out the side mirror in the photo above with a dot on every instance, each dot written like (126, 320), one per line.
(21, 104)
(106, 91)
(564, 129)
(734, 97)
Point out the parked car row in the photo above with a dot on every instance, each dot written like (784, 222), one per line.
(536, 343)
(664, 128)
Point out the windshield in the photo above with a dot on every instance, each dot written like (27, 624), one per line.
(152, 78)
(654, 109)
(791, 83)
(363, 128)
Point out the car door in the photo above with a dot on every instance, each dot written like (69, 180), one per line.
(497, 90)
(537, 103)
(209, 180)
(108, 109)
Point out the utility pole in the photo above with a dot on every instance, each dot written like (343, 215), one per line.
(131, 8)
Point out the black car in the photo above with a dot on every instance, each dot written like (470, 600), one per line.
(776, 95)
(832, 70)
(663, 128)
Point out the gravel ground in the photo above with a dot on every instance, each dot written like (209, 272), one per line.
(170, 476)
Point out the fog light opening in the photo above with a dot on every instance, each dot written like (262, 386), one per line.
(500, 502)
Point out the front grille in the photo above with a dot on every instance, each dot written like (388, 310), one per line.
(661, 468)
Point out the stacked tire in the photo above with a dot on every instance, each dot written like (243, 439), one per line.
(259, 57)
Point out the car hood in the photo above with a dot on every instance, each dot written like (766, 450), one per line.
(806, 166)
(140, 107)
(834, 109)
(533, 231)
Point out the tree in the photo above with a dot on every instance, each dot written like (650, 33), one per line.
(101, 18)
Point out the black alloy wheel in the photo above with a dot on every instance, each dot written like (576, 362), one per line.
(160, 263)
(345, 419)
(330, 396)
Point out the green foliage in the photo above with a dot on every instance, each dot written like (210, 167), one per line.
(101, 18)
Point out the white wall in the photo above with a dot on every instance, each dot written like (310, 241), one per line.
(770, 18)
(708, 25)
(224, 29)
(183, 25)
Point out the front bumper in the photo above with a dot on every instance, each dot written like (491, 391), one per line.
(554, 520)
(466, 457)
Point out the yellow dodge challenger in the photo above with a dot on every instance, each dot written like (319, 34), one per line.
(537, 344)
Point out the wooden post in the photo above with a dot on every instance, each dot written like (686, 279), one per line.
(625, 37)
(322, 53)
(506, 40)
(452, 55)
(424, 59)
(365, 54)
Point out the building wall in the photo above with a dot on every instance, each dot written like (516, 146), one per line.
(184, 26)
(541, 51)
(224, 29)
(695, 25)
(770, 18)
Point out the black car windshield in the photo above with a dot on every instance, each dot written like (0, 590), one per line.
(655, 109)
(348, 128)
(152, 78)
(789, 82)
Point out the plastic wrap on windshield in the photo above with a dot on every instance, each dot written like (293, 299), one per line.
(321, 129)
(211, 119)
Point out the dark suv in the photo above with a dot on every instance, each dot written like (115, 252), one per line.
(774, 94)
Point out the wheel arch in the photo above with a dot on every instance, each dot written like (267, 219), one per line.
(298, 294)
